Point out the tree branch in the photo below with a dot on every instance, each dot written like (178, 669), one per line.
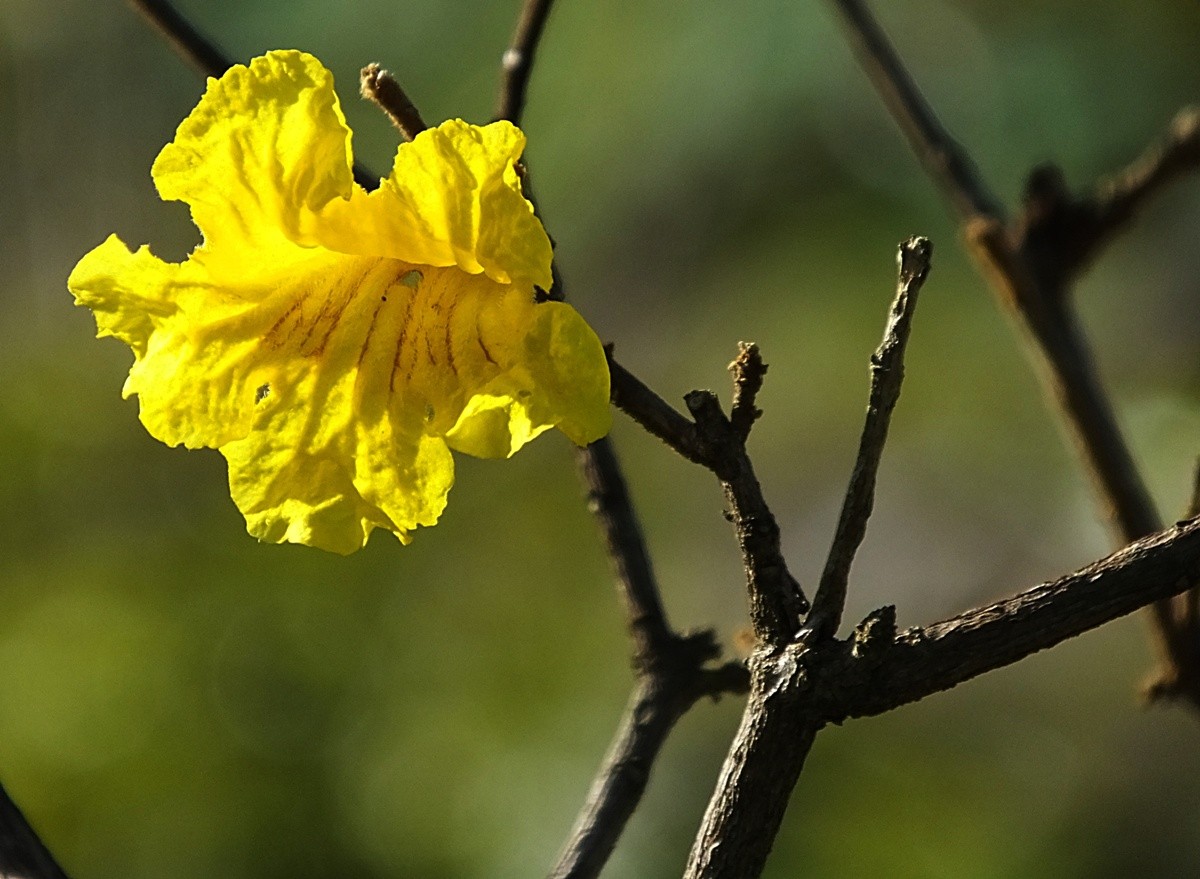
(1072, 380)
(1031, 264)
(517, 63)
(609, 501)
(776, 600)
(799, 687)
(207, 57)
(887, 375)
(778, 725)
(748, 373)
(188, 43)
(670, 668)
(1060, 234)
(380, 88)
(658, 417)
(660, 697)
(22, 854)
(946, 162)
(756, 781)
(927, 660)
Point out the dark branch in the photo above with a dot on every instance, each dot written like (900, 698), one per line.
(608, 499)
(937, 657)
(517, 63)
(776, 600)
(1180, 678)
(1061, 234)
(1031, 265)
(758, 776)
(380, 88)
(887, 374)
(22, 854)
(1118, 199)
(203, 54)
(656, 415)
(799, 687)
(748, 373)
(778, 727)
(657, 703)
(188, 43)
(670, 668)
(943, 158)
(1072, 380)
(1190, 615)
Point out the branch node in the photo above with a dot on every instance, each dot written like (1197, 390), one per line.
(706, 409)
(874, 634)
(516, 65)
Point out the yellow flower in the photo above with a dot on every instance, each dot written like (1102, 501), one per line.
(335, 344)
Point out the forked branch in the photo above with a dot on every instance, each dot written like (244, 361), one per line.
(671, 669)
(1032, 263)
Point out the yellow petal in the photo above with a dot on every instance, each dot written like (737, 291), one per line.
(265, 149)
(570, 369)
(453, 198)
(319, 477)
(333, 344)
(556, 375)
(127, 292)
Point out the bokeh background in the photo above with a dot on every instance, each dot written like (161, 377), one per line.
(176, 700)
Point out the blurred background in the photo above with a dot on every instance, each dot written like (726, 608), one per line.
(176, 700)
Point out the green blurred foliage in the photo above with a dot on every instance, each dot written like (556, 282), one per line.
(176, 700)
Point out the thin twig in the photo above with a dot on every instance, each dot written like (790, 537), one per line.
(188, 43)
(517, 63)
(22, 853)
(1031, 264)
(1118, 199)
(203, 54)
(887, 375)
(670, 669)
(658, 417)
(609, 501)
(944, 159)
(777, 602)
(779, 724)
(380, 87)
(1072, 380)
(655, 706)
(748, 373)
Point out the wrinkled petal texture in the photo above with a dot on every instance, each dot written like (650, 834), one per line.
(335, 344)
